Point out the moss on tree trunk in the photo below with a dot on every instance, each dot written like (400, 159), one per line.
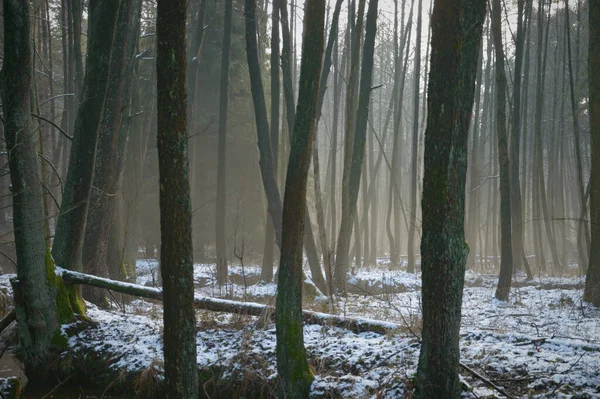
(292, 364)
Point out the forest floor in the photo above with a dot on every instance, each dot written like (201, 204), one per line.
(543, 343)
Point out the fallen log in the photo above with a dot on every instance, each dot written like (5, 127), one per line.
(356, 324)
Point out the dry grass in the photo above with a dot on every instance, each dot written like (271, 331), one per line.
(148, 385)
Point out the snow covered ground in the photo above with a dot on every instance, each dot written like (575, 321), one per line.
(543, 343)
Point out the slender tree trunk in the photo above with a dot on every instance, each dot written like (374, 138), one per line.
(176, 255)
(267, 170)
(540, 87)
(357, 151)
(473, 207)
(288, 90)
(395, 174)
(78, 58)
(337, 88)
(583, 226)
(415, 146)
(506, 256)
(222, 271)
(592, 282)
(515, 184)
(295, 376)
(456, 37)
(267, 267)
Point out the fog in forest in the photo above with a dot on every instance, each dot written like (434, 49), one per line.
(325, 198)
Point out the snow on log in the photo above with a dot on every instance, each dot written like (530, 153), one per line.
(356, 324)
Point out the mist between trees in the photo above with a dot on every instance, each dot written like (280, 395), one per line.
(301, 147)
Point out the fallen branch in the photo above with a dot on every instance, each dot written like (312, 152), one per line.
(6, 320)
(535, 342)
(356, 324)
(485, 380)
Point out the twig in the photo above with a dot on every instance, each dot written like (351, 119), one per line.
(53, 124)
(485, 380)
(567, 371)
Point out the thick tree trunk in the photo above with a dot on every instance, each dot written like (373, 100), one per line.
(295, 376)
(456, 37)
(506, 254)
(70, 230)
(111, 140)
(222, 271)
(592, 282)
(34, 304)
(176, 254)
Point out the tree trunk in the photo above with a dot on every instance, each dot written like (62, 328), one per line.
(267, 266)
(592, 282)
(288, 91)
(176, 254)
(393, 199)
(35, 307)
(456, 37)
(111, 141)
(415, 146)
(262, 124)
(78, 58)
(357, 151)
(515, 184)
(70, 230)
(583, 226)
(295, 376)
(222, 272)
(506, 254)
(473, 206)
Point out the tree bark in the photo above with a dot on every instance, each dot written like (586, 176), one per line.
(34, 304)
(111, 140)
(295, 376)
(78, 58)
(583, 226)
(70, 230)
(506, 254)
(222, 272)
(358, 141)
(288, 91)
(456, 37)
(176, 254)
(262, 124)
(515, 192)
(415, 146)
(592, 282)
(266, 274)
